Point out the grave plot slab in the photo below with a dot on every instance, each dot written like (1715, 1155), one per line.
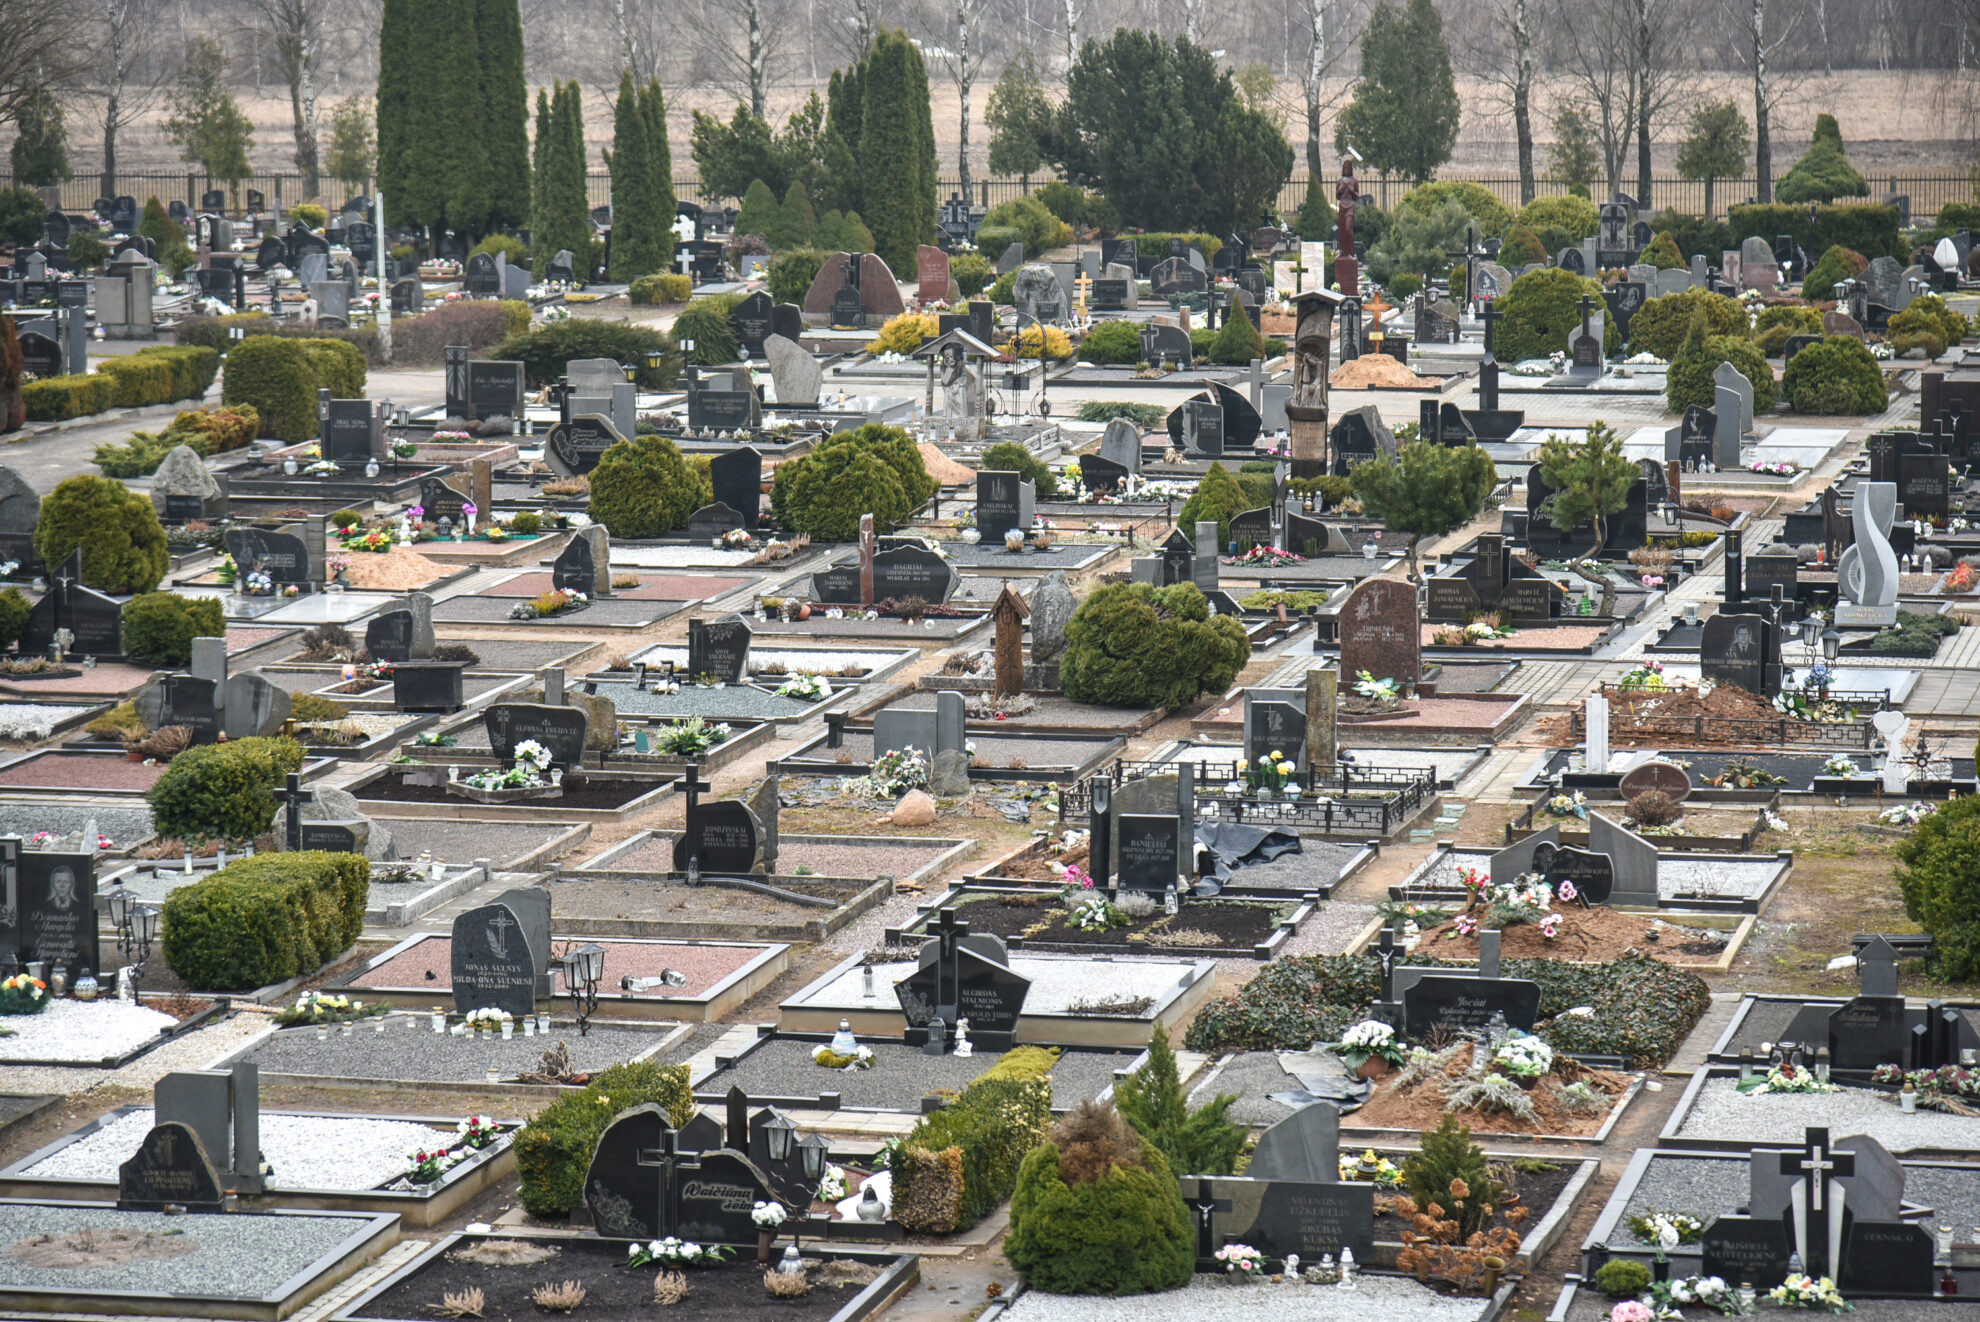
(103, 1034)
(652, 587)
(127, 822)
(512, 846)
(1025, 757)
(1703, 882)
(360, 734)
(740, 702)
(613, 1294)
(1318, 867)
(1714, 1115)
(845, 665)
(399, 895)
(470, 746)
(657, 906)
(1048, 714)
(317, 1160)
(1089, 1001)
(1210, 1295)
(510, 655)
(933, 631)
(410, 1052)
(88, 772)
(608, 613)
(720, 975)
(1450, 764)
(778, 1070)
(599, 796)
(318, 608)
(1033, 919)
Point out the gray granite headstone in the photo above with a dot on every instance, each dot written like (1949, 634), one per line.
(1727, 377)
(1633, 858)
(1874, 1192)
(896, 728)
(951, 720)
(948, 774)
(796, 373)
(1121, 444)
(765, 805)
(371, 838)
(1305, 1146)
(403, 631)
(1516, 859)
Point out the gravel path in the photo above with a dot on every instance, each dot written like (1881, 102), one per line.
(239, 1256)
(304, 1151)
(901, 1076)
(1720, 1111)
(1211, 1296)
(409, 1051)
(84, 1033)
(430, 964)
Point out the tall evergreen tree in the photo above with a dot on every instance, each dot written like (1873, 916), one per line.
(397, 75)
(635, 251)
(660, 154)
(459, 136)
(845, 116)
(897, 150)
(1404, 116)
(504, 128)
(561, 205)
(41, 151)
(539, 161)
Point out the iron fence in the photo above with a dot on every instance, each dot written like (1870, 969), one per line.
(1349, 800)
(1928, 192)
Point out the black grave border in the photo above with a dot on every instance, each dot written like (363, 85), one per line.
(526, 810)
(433, 1202)
(804, 762)
(879, 674)
(217, 1009)
(1670, 1140)
(1303, 905)
(347, 1257)
(756, 733)
(809, 711)
(902, 1273)
(1721, 1051)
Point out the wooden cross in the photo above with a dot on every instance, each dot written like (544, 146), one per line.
(1081, 284)
(867, 542)
(1375, 307)
(295, 796)
(1009, 614)
(1206, 1204)
(667, 1159)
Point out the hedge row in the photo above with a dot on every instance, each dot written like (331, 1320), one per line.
(1865, 227)
(280, 377)
(960, 1163)
(216, 333)
(160, 374)
(553, 1153)
(265, 919)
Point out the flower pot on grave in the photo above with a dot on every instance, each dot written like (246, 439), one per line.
(1526, 1082)
(804, 611)
(971, 536)
(765, 1241)
(1374, 1068)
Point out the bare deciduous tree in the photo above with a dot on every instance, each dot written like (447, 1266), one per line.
(294, 29)
(124, 74)
(965, 65)
(1621, 56)
(1497, 48)
(1757, 53)
(38, 49)
(744, 43)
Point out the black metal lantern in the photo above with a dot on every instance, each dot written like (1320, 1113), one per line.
(780, 1132)
(813, 1152)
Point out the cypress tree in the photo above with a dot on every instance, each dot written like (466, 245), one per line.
(797, 222)
(845, 113)
(573, 177)
(634, 252)
(653, 109)
(921, 106)
(397, 34)
(539, 167)
(897, 144)
(457, 136)
(504, 128)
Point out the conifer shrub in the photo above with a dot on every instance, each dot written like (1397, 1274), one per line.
(1661, 324)
(554, 1151)
(264, 919)
(1133, 645)
(223, 791)
(1010, 457)
(1218, 496)
(159, 626)
(1837, 377)
(978, 1140)
(644, 487)
(122, 542)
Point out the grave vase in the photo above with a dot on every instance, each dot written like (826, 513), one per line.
(766, 1240)
(1374, 1068)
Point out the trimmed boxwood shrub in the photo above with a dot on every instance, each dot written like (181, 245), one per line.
(422, 341)
(57, 398)
(1577, 215)
(1694, 234)
(1939, 877)
(1112, 343)
(1869, 228)
(554, 1150)
(1660, 326)
(1030, 222)
(1952, 326)
(645, 487)
(1837, 264)
(874, 469)
(265, 919)
(1479, 202)
(122, 542)
(159, 626)
(1010, 457)
(956, 1166)
(905, 332)
(1541, 312)
(223, 791)
(1664, 255)
(220, 429)
(1218, 496)
(1689, 380)
(547, 350)
(1833, 378)
(1643, 1008)
(660, 287)
(279, 378)
(1776, 325)
(1521, 248)
(1825, 173)
(1132, 645)
(791, 273)
(1098, 1211)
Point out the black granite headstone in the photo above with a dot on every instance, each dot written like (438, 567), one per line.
(576, 567)
(1278, 1217)
(1869, 1031)
(170, 1166)
(751, 318)
(428, 686)
(1146, 856)
(282, 556)
(1883, 1259)
(559, 729)
(724, 836)
(737, 476)
(1593, 874)
(1743, 1249)
(493, 965)
(989, 994)
(720, 648)
(1454, 1000)
(347, 431)
(56, 907)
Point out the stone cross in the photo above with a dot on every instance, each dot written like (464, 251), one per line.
(295, 796)
(667, 1159)
(1587, 306)
(1597, 757)
(1387, 954)
(1816, 1196)
(949, 931)
(1206, 1205)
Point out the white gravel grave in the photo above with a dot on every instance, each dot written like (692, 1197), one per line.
(1732, 875)
(1721, 1111)
(680, 557)
(813, 660)
(1213, 1296)
(233, 1257)
(31, 722)
(80, 1032)
(303, 1151)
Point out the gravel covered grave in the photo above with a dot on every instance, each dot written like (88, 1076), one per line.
(822, 858)
(31, 722)
(417, 1054)
(429, 964)
(604, 613)
(1720, 1111)
(811, 660)
(994, 751)
(731, 701)
(463, 841)
(87, 772)
(901, 1075)
(125, 825)
(1056, 984)
(233, 1257)
(1212, 1296)
(1591, 1305)
(303, 1151)
(79, 1032)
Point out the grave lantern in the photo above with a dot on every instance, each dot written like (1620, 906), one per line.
(814, 1150)
(780, 1132)
(583, 969)
(1810, 633)
(1831, 643)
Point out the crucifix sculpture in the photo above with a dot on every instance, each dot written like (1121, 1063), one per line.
(1817, 1204)
(867, 542)
(1388, 954)
(667, 1159)
(949, 931)
(1206, 1204)
(294, 796)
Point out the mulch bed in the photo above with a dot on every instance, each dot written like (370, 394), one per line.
(1038, 867)
(589, 793)
(1660, 708)
(732, 1292)
(1235, 924)
(1597, 935)
(1423, 1106)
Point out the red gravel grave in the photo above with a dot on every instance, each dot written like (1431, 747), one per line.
(80, 771)
(704, 965)
(864, 861)
(652, 587)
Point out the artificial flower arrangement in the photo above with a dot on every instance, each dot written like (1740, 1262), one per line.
(1813, 707)
(1369, 1040)
(21, 994)
(553, 602)
(487, 1017)
(894, 774)
(314, 1007)
(376, 540)
(1524, 1056)
(736, 539)
(1241, 1262)
(691, 736)
(812, 688)
(1804, 1291)
(1272, 772)
(1646, 675)
(1484, 630)
(425, 1165)
(495, 532)
(860, 1058)
(478, 1131)
(1669, 1297)
(258, 583)
(1950, 1088)
(833, 1185)
(1377, 690)
(1566, 804)
(1265, 557)
(1907, 814)
(1093, 912)
(1773, 468)
(1785, 1078)
(323, 468)
(767, 1216)
(48, 840)
(1370, 1169)
(532, 760)
(677, 1253)
(1841, 765)
(1669, 1228)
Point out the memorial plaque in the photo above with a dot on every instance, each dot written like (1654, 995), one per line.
(170, 1166)
(1593, 874)
(560, 729)
(723, 837)
(574, 448)
(331, 837)
(1665, 777)
(1004, 501)
(912, 571)
(1882, 1259)
(428, 686)
(723, 410)
(847, 311)
(1869, 1031)
(1734, 650)
(1445, 1001)
(752, 320)
(718, 1195)
(1147, 851)
(1380, 632)
(493, 965)
(495, 389)
(1278, 1217)
(624, 1197)
(53, 915)
(1743, 1249)
(349, 431)
(720, 648)
(284, 557)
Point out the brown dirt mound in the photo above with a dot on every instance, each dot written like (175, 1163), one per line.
(1645, 716)
(1422, 1107)
(1598, 935)
(944, 469)
(1375, 369)
(400, 569)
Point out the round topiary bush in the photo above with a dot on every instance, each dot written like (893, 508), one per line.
(1237, 342)
(14, 611)
(1112, 343)
(972, 273)
(1952, 326)
(222, 791)
(1689, 380)
(1521, 248)
(645, 487)
(903, 334)
(1775, 326)
(1835, 378)
(122, 542)
(1010, 457)
(1132, 645)
(159, 626)
(544, 352)
(1661, 324)
(1098, 1211)
(1576, 215)
(874, 470)
(1218, 496)
(1541, 310)
(1838, 263)
(1622, 1278)
(1663, 254)
(1939, 877)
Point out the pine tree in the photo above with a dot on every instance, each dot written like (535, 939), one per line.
(504, 128)
(634, 250)
(41, 150)
(1404, 116)
(897, 150)
(653, 108)
(1199, 1142)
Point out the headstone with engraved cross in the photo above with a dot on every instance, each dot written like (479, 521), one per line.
(957, 974)
(1585, 344)
(1817, 1203)
(293, 797)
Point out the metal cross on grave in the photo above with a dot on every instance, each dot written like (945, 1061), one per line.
(1387, 955)
(1816, 1201)
(949, 931)
(1491, 316)
(1206, 1204)
(294, 796)
(668, 1160)
(1299, 269)
(691, 785)
(1587, 306)
(1471, 253)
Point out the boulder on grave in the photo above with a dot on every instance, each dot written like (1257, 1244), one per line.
(585, 563)
(796, 374)
(1052, 606)
(183, 489)
(369, 837)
